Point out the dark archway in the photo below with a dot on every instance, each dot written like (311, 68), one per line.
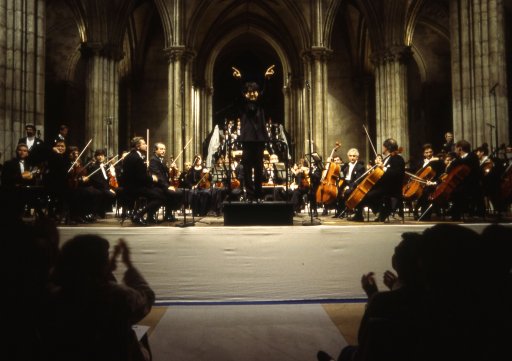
(252, 56)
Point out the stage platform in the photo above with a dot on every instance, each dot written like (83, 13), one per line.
(217, 264)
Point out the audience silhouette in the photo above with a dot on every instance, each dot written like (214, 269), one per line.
(451, 299)
(90, 316)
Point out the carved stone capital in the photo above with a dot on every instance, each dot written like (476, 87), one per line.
(179, 53)
(109, 50)
(395, 53)
(318, 53)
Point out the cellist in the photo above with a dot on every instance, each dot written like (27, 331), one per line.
(389, 185)
(351, 171)
(437, 166)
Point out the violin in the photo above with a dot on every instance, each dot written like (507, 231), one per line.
(174, 175)
(417, 182)
(76, 174)
(327, 191)
(305, 181)
(204, 182)
(112, 180)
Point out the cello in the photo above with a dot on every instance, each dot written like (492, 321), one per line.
(443, 192)
(417, 182)
(327, 191)
(372, 176)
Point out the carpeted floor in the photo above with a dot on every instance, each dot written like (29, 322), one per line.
(269, 332)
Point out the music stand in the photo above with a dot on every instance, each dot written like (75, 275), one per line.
(313, 156)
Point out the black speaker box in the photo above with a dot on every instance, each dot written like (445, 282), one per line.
(252, 214)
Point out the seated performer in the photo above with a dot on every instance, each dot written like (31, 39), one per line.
(436, 164)
(17, 189)
(138, 182)
(159, 168)
(467, 195)
(351, 172)
(98, 179)
(199, 179)
(389, 186)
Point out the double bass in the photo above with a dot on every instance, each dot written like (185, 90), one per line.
(327, 191)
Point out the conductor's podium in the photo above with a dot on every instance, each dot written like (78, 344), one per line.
(258, 214)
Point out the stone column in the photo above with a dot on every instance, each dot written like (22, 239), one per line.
(102, 96)
(316, 64)
(391, 97)
(181, 124)
(22, 70)
(479, 78)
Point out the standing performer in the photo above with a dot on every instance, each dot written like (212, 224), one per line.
(253, 135)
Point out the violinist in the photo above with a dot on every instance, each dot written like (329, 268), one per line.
(98, 179)
(171, 194)
(82, 197)
(350, 171)
(199, 178)
(389, 186)
(138, 182)
(302, 183)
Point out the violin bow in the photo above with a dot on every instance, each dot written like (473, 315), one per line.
(78, 158)
(370, 139)
(105, 164)
(147, 148)
(181, 151)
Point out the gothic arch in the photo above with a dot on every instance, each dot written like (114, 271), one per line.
(165, 18)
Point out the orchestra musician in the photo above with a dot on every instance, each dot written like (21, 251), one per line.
(300, 185)
(37, 149)
(448, 145)
(98, 179)
(272, 178)
(55, 181)
(159, 168)
(389, 186)
(467, 195)
(17, 189)
(437, 165)
(138, 182)
(351, 172)
(199, 180)
(82, 197)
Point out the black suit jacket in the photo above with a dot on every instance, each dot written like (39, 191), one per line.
(160, 169)
(393, 178)
(38, 152)
(97, 180)
(358, 170)
(135, 173)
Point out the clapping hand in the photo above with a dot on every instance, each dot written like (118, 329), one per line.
(390, 279)
(369, 285)
(121, 248)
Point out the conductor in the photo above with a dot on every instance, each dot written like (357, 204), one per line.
(253, 135)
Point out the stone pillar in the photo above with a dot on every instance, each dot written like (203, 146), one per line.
(22, 70)
(316, 70)
(479, 78)
(181, 123)
(391, 97)
(102, 96)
